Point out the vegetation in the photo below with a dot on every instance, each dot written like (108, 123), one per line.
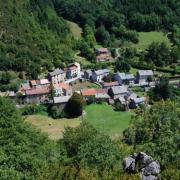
(105, 119)
(156, 131)
(147, 38)
(75, 105)
(54, 128)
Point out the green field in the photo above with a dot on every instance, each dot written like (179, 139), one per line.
(53, 128)
(75, 29)
(146, 38)
(105, 119)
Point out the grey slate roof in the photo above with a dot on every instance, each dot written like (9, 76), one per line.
(124, 76)
(101, 72)
(145, 72)
(56, 72)
(63, 99)
(119, 89)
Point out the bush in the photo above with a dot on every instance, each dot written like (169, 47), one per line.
(56, 112)
(33, 109)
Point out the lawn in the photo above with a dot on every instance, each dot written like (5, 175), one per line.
(83, 85)
(146, 38)
(75, 29)
(53, 128)
(105, 119)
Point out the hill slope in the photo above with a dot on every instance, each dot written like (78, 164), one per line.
(32, 37)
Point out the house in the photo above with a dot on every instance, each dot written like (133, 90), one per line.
(73, 70)
(88, 74)
(143, 75)
(33, 83)
(107, 85)
(101, 95)
(98, 75)
(44, 82)
(61, 102)
(123, 78)
(39, 95)
(103, 55)
(134, 103)
(57, 76)
(86, 93)
(62, 89)
(116, 92)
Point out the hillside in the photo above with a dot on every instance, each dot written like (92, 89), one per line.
(33, 38)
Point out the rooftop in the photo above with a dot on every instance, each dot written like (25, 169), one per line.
(110, 84)
(37, 91)
(101, 71)
(145, 72)
(88, 92)
(119, 89)
(62, 99)
(56, 72)
(44, 81)
(124, 76)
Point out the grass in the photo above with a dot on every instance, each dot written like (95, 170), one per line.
(146, 38)
(105, 119)
(53, 128)
(75, 29)
(83, 85)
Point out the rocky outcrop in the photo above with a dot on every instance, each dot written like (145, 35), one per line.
(144, 164)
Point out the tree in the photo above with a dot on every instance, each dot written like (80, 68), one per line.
(75, 105)
(162, 90)
(158, 54)
(122, 65)
(155, 131)
(103, 36)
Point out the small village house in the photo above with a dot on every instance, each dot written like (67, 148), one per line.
(40, 95)
(103, 55)
(123, 78)
(116, 92)
(143, 75)
(88, 74)
(134, 103)
(73, 70)
(108, 85)
(57, 76)
(98, 75)
(61, 102)
(62, 89)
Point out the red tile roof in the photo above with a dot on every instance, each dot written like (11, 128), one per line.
(33, 82)
(110, 84)
(62, 85)
(37, 91)
(88, 92)
(101, 91)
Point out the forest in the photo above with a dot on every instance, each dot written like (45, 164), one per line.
(35, 38)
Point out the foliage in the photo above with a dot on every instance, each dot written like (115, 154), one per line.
(90, 149)
(75, 105)
(122, 65)
(159, 54)
(162, 90)
(24, 153)
(156, 131)
(33, 109)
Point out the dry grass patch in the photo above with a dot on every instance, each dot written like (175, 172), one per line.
(54, 128)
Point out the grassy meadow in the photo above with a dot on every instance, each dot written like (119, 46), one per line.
(105, 119)
(146, 38)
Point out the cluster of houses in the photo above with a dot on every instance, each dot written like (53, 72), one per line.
(57, 87)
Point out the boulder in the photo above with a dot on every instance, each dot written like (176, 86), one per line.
(147, 167)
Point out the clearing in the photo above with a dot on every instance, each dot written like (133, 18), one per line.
(84, 85)
(146, 38)
(75, 29)
(52, 127)
(105, 119)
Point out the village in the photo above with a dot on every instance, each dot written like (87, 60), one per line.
(57, 87)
